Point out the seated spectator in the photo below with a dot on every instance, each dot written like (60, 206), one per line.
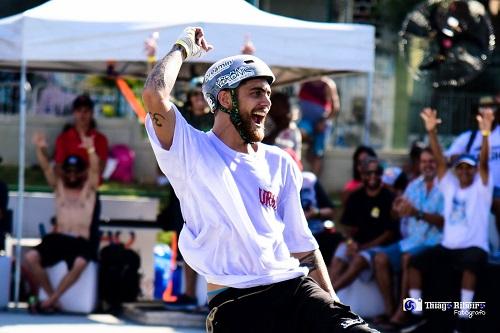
(470, 143)
(370, 225)
(281, 126)
(75, 192)
(467, 192)
(360, 154)
(319, 104)
(69, 143)
(411, 167)
(420, 210)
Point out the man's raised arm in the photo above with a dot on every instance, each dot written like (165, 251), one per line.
(485, 120)
(160, 82)
(431, 121)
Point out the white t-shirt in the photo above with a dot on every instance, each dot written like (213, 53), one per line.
(466, 212)
(460, 144)
(242, 212)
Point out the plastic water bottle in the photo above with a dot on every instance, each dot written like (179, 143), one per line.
(162, 257)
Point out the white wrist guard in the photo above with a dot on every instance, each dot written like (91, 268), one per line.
(187, 40)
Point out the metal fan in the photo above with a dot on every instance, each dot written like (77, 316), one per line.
(448, 42)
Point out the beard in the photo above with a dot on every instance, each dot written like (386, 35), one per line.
(253, 132)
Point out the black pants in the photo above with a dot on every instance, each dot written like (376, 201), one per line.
(298, 305)
(472, 258)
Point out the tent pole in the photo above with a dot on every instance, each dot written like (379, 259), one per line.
(368, 110)
(20, 181)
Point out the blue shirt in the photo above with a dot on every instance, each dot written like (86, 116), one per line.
(418, 232)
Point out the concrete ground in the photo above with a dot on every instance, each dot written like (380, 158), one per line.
(20, 321)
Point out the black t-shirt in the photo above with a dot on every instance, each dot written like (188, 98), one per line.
(371, 215)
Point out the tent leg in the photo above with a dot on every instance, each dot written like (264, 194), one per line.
(20, 188)
(368, 109)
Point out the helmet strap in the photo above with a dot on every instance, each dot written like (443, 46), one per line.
(234, 115)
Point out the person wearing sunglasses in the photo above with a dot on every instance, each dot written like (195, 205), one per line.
(369, 224)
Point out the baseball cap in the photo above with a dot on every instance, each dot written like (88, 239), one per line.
(467, 159)
(74, 163)
(390, 175)
(487, 101)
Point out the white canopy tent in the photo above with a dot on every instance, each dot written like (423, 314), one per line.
(84, 36)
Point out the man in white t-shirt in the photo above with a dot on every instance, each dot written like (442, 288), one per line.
(470, 143)
(467, 192)
(244, 228)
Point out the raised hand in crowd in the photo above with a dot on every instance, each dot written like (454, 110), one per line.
(87, 142)
(39, 140)
(248, 47)
(431, 121)
(485, 120)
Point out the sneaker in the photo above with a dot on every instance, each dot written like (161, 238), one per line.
(183, 303)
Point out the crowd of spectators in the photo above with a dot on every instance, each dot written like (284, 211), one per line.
(394, 222)
(398, 223)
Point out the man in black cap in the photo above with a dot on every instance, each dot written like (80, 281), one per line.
(75, 191)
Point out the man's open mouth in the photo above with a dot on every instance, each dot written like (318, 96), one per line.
(258, 119)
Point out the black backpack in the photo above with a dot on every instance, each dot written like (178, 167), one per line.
(119, 278)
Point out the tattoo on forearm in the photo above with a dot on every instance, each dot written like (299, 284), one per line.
(309, 261)
(156, 79)
(156, 118)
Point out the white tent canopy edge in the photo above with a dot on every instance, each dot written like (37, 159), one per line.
(84, 35)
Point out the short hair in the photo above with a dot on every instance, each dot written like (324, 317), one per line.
(370, 160)
(83, 101)
(359, 150)
(426, 149)
(416, 149)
